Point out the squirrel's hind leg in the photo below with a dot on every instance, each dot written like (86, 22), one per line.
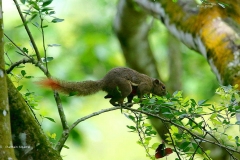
(130, 98)
(114, 101)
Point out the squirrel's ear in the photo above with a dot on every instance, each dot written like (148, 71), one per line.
(156, 81)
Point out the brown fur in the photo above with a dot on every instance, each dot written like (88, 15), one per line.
(119, 83)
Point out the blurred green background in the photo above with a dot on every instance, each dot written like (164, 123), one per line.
(88, 50)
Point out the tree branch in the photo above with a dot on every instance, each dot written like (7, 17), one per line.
(183, 128)
(23, 61)
(211, 30)
(65, 134)
(132, 27)
(28, 31)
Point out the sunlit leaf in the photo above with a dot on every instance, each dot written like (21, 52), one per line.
(48, 59)
(184, 145)
(28, 77)
(36, 24)
(46, 2)
(54, 45)
(23, 72)
(72, 94)
(174, 129)
(25, 50)
(213, 115)
(50, 119)
(19, 87)
(23, 1)
(201, 102)
(57, 20)
(155, 146)
(237, 123)
(46, 9)
(65, 146)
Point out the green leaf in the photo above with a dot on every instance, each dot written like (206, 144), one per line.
(184, 145)
(35, 5)
(19, 87)
(28, 93)
(72, 94)
(174, 129)
(23, 72)
(28, 77)
(130, 117)
(45, 26)
(208, 152)
(31, 18)
(25, 50)
(23, 1)
(50, 119)
(57, 20)
(54, 45)
(131, 127)
(36, 24)
(48, 59)
(216, 122)
(20, 66)
(213, 115)
(65, 146)
(51, 12)
(237, 123)
(201, 102)
(46, 9)
(155, 146)
(46, 2)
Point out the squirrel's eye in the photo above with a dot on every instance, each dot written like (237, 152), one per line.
(163, 87)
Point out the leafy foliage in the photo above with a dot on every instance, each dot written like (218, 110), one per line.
(190, 123)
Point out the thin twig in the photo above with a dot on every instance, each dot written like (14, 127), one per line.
(23, 61)
(227, 149)
(8, 58)
(60, 111)
(139, 134)
(200, 147)
(28, 31)
(35, 117)
(174, 146)
(182, 127)
(17, 46)
(43, 41)
(65, 134)
(40, 65)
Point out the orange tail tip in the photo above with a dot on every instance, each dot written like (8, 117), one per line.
(50, 83)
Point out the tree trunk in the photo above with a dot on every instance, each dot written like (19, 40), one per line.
(28, 136)
(6, 146)
(213, 31)
(210, 28)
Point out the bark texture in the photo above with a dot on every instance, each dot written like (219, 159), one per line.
(132, 25)
(29, 140)
(211, 29)
(6, 149)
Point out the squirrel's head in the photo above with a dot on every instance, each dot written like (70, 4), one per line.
(159, 88)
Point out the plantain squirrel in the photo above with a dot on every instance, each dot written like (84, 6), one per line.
(119, 83)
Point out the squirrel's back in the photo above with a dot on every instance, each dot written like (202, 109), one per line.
(126, 73)
(119, 83)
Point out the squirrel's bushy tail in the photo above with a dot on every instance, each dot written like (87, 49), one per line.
(83, 88)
